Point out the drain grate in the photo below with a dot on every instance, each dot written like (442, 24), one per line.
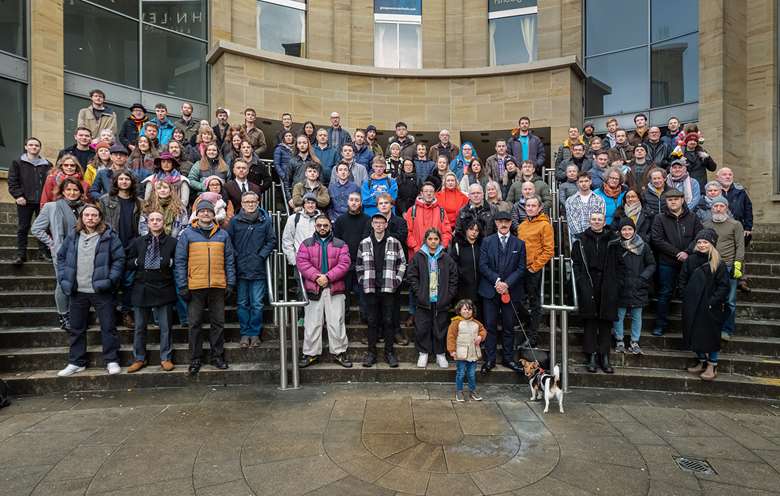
(694, 465)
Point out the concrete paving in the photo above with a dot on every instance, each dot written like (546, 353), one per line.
(384, 439)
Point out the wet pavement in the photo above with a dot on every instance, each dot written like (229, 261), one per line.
(385, 439)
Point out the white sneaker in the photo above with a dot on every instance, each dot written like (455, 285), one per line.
(422, 362)
(70, 370)
(113, 368)
(441, 361)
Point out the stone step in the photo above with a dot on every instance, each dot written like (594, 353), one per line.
(9, 240)
(765, 245)
(762, 257)
(27, 283)
(96, 379)
(31, 268)
(9, 252)
(760, 269)
(763, 282)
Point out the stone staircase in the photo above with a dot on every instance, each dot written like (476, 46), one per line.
(32, 348)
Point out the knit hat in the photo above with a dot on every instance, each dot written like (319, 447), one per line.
(713, 184)
(720, 199)
(118, 148)
(626, 221)
(679, 161)
(208, 180)
(370, 127)
(588, 124)
(673, 193)
(309, 197)
(205, 205)
(642, 146)
(707, 234)
(102, 144)
(691, 137)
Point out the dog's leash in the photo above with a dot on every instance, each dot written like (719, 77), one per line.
(522, 328)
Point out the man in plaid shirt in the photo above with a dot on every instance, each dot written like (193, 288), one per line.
(380, 266)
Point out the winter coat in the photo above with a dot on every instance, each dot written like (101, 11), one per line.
(653, 202)
(408, 146)
(299, 226)
(196, 176)
(638, 276)
(353, 228)
(740, 206)
(699, 162)
(179, 223)
(452, 200)
(468, 179)
(256, 138)
(110, 207)
(483, 215)
(623, 153)
(109, 263)
(319, 191)
(423, 168)
(419, 280)
(658, 153)
(492, 166)
(564, 152)
(52, 183)
(731, 240)
(541, 189)
(565, 190)
(509, 266)
(695, 191)
(671, 234)
(636, 137)
(152, 287)
(535, 150)
(461, 335)
(189, 128)
(451, 151)
(339, 197)
(53, 224)
(106, 120)
(611, 204)
(128, 135)
(599, 271)
(466, 258)
(372, 188)
(393, 270)
(704, 297)
(309, 262)
(537, 233)
(205, 260)
(26, 178)
(422, 216)
(329, 158)
(164, 130)
(642, 225)
(340, 140)
(408, 189)
(282, 156)
(260, 174)
(364, 156)
(583, 164)
(253, 242)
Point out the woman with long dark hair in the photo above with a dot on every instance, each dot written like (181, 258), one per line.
(211, 164)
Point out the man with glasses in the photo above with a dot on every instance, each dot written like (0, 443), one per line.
(323, 262)
(479, 210)
(253, 237)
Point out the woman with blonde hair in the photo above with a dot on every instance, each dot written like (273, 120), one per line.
(494, 197)
(163, 199)
(197, 148)
(67, 166)
(704, 285)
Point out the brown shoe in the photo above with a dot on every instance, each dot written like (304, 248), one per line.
(710, 373)
(128, 321)
(400, 339)
(135, 366)
(698, 368)
(166, 365)
(409, 321)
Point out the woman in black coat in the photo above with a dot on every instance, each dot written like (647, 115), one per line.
(598, 270)
(638, 276)
(151, 258)
(704, 284)
(409, 184)
(634, 209)
(464, 250)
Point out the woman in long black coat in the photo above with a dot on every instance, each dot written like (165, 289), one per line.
(464, 250)
(704, 284)
(598, 271)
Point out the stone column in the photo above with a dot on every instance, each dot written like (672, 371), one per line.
(453, 33)
(220, 13)
(362, 32)
(548, 27)
(243, 22)
(433, 29)
(47, 108)
(475, 33)
(319, 27)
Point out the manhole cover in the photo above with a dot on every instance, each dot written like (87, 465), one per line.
(694, 465)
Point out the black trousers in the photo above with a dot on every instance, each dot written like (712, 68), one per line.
(379, 314)
(430, 330)
(25, 214)
(533, 285)
(80, 304)
(214, 298)
(495, 309)
(598, 336)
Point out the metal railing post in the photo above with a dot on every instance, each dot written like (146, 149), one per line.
(283, 349)
(294, 346)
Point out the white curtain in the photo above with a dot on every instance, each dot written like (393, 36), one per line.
(528, 31)
(384, 34)
(493, 41)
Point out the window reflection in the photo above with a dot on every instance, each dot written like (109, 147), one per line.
(183, 16)
(397, 45)
(619, 83)
(174, 65)
(615, 24)
(12, 22)
(281, 29)
(513, 40)
(13, 101)
(675, 71)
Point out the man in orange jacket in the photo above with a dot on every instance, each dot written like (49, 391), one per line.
(537, 232)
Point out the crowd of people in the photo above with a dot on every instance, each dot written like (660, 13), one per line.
(163, 221)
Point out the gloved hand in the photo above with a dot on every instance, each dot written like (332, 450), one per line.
(737, 270)
(228, 292)
(185, 294)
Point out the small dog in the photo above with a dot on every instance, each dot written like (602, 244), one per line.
(540, 380)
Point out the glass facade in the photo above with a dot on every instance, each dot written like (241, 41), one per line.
(156, 46)
(512, 31)
(12, 28)
(281, 26)
(397, 45)
(639, 57)
(14, 76)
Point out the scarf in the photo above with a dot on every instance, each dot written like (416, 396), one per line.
(610, 191)
(253, 217)
(634, 245)
(152, 258)
(633, 211)
(75, 206)
(172, 177)
(138, 122)
(169, 216)
(685, 180)
(433, 272)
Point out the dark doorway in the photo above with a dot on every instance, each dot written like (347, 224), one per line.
(485, 141)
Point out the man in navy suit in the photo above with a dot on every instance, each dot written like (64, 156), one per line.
(502, 265)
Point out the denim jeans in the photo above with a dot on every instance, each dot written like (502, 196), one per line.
(163, 314)
(667, 282)
(250, 306)
(181, 307)
(469, 369)
(730, 324)
(636, 323)
(710, 357)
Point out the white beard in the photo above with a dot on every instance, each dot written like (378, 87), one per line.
(719, 218)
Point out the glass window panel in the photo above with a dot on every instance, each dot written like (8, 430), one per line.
(513, 40)
(101, 44)
(675, 71)
(13, 126)
(385, 44)
(72, 106)
(183, 16)
(618, 83)
(128, 7)
(281, 29)
(671, 18)
(499, 5)
(12, 26)
(174, 65)
(409, 46)
(614, 24)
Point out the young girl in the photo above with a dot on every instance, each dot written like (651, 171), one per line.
(704, 285)
(463, 338)
(222, 210)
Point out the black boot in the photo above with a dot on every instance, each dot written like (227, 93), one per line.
(592, 367)
(605, 366)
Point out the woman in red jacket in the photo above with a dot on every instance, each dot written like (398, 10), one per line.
(451, 198)
(67, 166)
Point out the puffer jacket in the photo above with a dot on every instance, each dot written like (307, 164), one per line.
(282, 156)
(339, 196)
(26, 178)
(205, 261)
(309, 262)
(638, 277)
(539, 241)
(422, 216)
(109, 263)
(363, 155)
(252, 242)
(408, 146)
(452, 200)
